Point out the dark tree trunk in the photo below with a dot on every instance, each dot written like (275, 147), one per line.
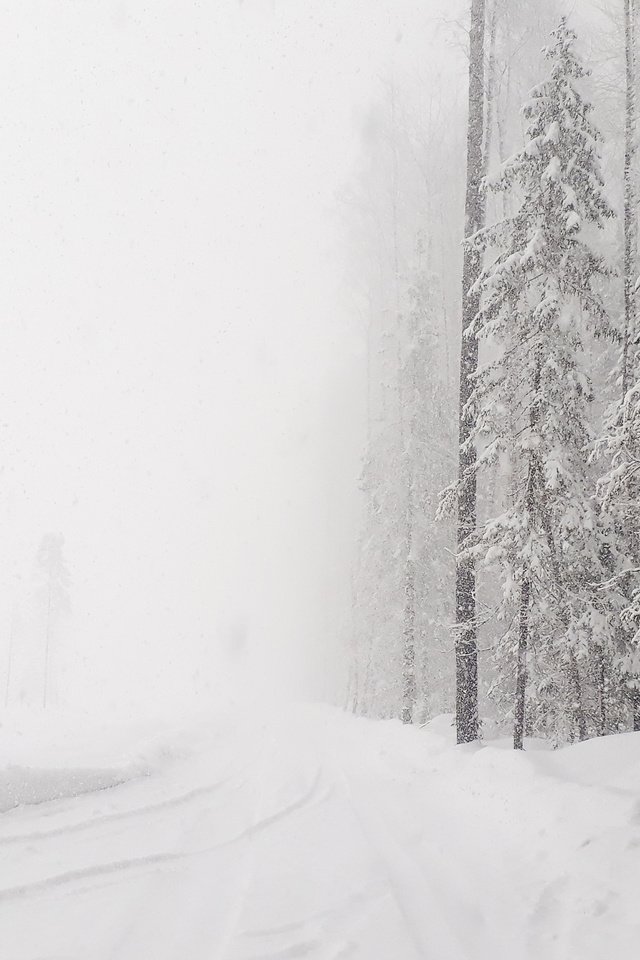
(630, 213)
(635, 707)
(630, 250)
(577, 702)
(521, 676)
(466, 640)
(490, 91)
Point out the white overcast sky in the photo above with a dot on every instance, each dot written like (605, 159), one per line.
(180, 375)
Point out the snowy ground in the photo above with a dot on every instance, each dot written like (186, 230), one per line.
(314, 835)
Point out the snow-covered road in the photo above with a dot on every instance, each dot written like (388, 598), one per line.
(315, 835)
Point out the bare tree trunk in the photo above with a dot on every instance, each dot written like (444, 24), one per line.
(635, 706)
(630, 244)
(521, 676)
(409, 686)
(630, 213)
(409, 680)
(577, 703)
(490, 91)
(466, 638)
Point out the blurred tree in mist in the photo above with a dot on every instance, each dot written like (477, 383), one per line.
(53, 597)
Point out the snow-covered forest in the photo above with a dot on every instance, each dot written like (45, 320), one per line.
(320, 449)
(497, 572)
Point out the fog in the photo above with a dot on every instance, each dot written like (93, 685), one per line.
(182, 364)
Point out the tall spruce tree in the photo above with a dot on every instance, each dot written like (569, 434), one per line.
(539, 299)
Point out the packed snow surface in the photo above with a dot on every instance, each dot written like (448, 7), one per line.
(311, 834)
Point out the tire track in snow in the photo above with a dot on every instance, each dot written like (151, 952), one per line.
(160, 859)
(310, 797)
(362, 898)
(86, 873)
(324, 934)
(231, 929)
(311, 932)
(101, 819)
(408, 886)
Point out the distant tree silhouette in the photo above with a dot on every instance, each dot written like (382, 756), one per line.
(54, 591)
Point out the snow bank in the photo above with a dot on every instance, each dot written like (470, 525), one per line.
(51, 756)
(550, 837)
(26, 785)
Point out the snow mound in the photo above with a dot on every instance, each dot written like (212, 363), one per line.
(26, 785)
(52, 756)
